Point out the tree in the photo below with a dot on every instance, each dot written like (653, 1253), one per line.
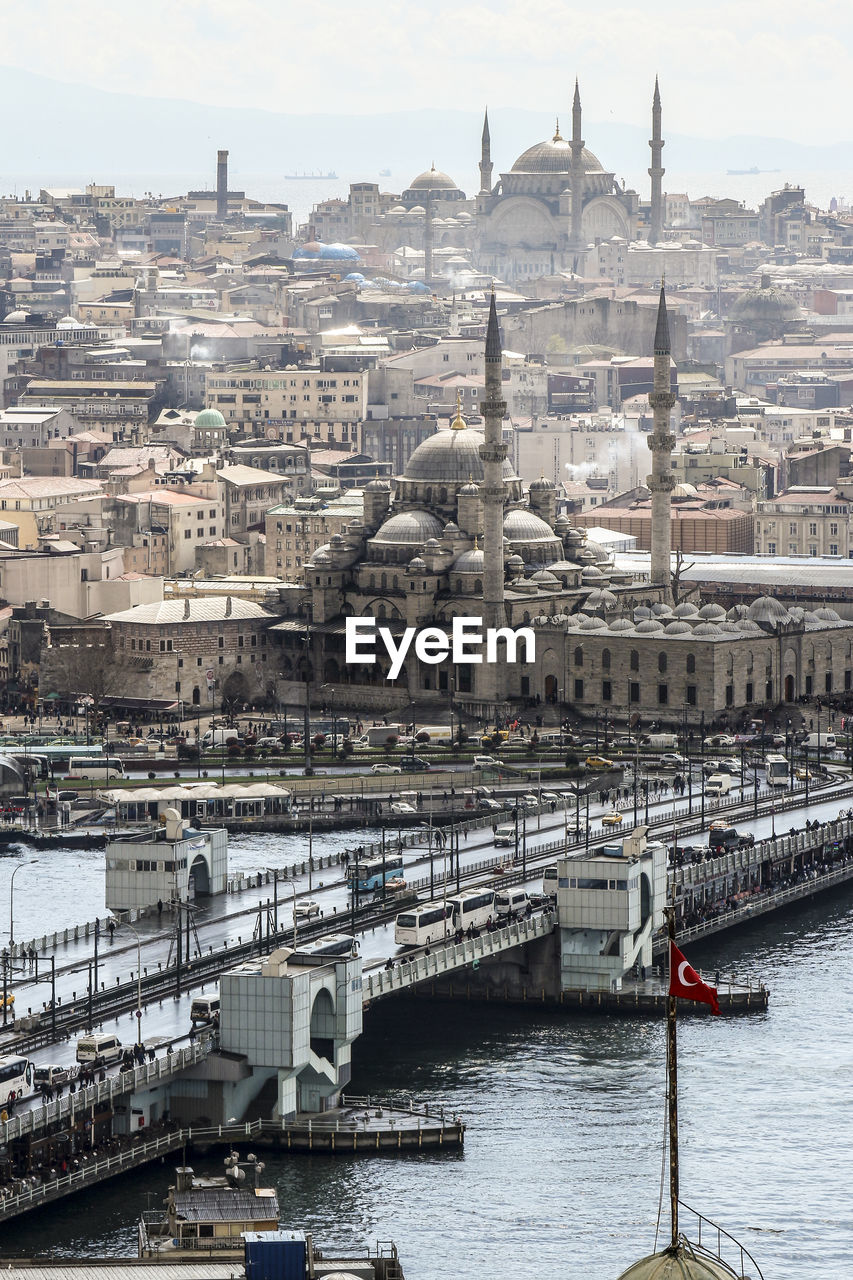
(679, 594)
(85, 670)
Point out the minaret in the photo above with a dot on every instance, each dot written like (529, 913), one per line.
(493, 451)
(428, 240)
(577, 173)
(222, 184)
(486, 158)
(661, 441)
(656, 172)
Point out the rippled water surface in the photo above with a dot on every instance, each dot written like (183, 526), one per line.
(561, 1169)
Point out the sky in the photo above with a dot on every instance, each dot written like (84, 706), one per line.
(756, 67)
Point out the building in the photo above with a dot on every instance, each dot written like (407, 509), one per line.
(700, 521)
(805, 520)
(29, 427)
(249, 493)
(294, 532)
(282, 396)
(173, 864)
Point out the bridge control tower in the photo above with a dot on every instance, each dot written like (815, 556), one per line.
(608, 907)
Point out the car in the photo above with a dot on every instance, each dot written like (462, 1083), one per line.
(53, 1075)
(672, 760)
(272, 744)
(484, 762)
(415, 764)
(729, 767)
(551, 797)
(528, 801)
(598, 762)
(402, 806)
(612, 820)
(489, 805)
(385, 768)
(307, 909)
(624, 743)
(711, 766)
(804, 775)
(718, 740)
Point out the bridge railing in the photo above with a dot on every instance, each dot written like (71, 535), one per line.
(445, 958)
(50, 1113)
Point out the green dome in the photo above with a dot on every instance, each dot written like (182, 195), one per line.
(209, 418)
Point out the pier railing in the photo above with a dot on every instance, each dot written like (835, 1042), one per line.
(102, 1092)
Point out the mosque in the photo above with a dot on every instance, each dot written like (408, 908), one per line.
(458, 536)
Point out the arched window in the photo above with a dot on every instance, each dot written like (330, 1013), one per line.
(605, 659)
(383, 581)
(691, 663)
(579, 656)
(661, 662)
(635, 660)
(478, 586)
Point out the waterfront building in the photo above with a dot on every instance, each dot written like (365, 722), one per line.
(176, 863)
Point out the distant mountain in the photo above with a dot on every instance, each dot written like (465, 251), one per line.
(87, 134)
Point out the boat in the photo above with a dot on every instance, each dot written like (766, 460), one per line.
(299, 177)
(385, 173)
(754, 169)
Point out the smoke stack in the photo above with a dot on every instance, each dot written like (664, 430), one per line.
(222, 184)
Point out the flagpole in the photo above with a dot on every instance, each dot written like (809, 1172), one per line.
(672, 1083)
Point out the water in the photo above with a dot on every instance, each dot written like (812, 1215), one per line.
(562, 1161)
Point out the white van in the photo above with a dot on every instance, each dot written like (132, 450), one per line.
(826, 741)
(204, 1009)
(105, 1047)
(719, 784)
(510, 902)
(505, 833)
(661, 741)
(220, 737)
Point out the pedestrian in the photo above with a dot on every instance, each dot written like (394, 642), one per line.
(159, 908)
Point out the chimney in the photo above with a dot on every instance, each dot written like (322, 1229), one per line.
(222, 184)
(227, 606)
(187, 607)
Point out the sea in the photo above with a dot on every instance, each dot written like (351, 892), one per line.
(562, 1171)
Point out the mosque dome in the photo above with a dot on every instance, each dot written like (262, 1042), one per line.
(678, 628)
(685, 610)
(733, 627)
(449, 456)
(621, 624)
(433, 180)
(541, 485)
(544, 576)
(591, 574)
(764, 306)
(15, 317)
(826, 614)
(409, 527)
(660, 609)
(320, 557)
(521, 525)
(737, 611)
(747, 624)
(316, 250)
(209, 418)
(706, 630)
(648, 627)
(597, 552)
(641, 612)
(766, 609)
(469, 490)
(682, 1263)
(471, 561)
(712, 612)
(554, 156)
(417, 565)
(600, 597)
(591, 622)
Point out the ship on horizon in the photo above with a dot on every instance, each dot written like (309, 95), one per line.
(754, 169)
(292, 177)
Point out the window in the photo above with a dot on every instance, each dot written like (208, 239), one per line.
(691, 663)
(749, 691)
(634, 691)
(663, 694)
(635, 660)
(661, 663)
(833, 548)
(606, 691)
(691, 695)
(605, 659)
(730, 695)
(579, 691)
(833, 530)
(827, 682)
(579, 656)
(813, 530)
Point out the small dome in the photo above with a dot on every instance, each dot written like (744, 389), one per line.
(15, 317)
(209, 418)
(678, 628)
(469, 490)
(522, 525)
(826, 614)
(706, 630)
(409, 527)
(711, 612)
(516, 561)
(432, 544)
(377, 486)
(728, 626)
(600, 597)
(648, 627)
(451, 529)
(471, 561)
(737, 611)
(591, 622)
(621, 624)
(685, 490)
(685, 610)
(642, 611)
(747, 624)
(416, 565)
(542, 484)
(685, 1263)
(332, 252)
(661, 610)
(591, 574)
(543, 575)
(562, 521)
(320, 557)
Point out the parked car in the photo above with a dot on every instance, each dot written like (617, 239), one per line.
(414, 764)
(402, 806)
(612, 820)
(385, 768)
(528, 801)
(307, 909)
(715, 741)
(485, 762)
(488, 805)
(271, 744)
(672, 760)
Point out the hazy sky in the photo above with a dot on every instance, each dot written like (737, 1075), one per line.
(769, 67)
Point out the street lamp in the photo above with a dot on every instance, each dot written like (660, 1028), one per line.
(127, 925)
(32, 863)
(292, 887)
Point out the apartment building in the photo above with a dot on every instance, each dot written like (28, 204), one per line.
(295, 531)
(804, 521)
(288, 395)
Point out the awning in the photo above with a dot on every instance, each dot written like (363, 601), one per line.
(140, 704)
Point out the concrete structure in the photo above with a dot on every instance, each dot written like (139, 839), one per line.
(661, 443)
(28, 427)
(699, 519)
(295, 1020)
(174, 864)
(805, 521)
(656, 171)
(608, 908)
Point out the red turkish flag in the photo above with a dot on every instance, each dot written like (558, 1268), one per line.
(685, 982)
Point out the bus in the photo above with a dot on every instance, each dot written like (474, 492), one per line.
(777, 769)
(334, 944)
(95, 767)
(549, 882)
(372, 873)
(430, 922)
(472, 908)
(16, 1078)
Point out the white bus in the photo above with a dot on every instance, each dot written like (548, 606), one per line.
(334, 944)
(95, 767)
(472, 908)
(549, 882)
(204, 1008)
(777, 769)
(431, 922)
(16, 1078)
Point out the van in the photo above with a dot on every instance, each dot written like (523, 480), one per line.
(220, 737)
(53, 1075)
(105, 1048)
(204, 1009)
(826, 741)
(661, 741)
(724, 838)
(505, 833)
(719, 784)
(510, 903)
